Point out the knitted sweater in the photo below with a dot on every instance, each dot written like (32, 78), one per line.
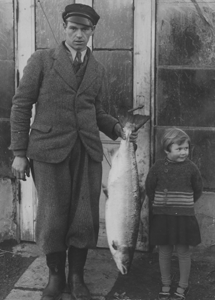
(173, 187)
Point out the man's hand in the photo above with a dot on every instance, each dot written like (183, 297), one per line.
(21, 168)
(120, 133)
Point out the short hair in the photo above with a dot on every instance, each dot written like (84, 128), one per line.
(90, 25)
(174, 136)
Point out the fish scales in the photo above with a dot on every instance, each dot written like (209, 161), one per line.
(123, 205)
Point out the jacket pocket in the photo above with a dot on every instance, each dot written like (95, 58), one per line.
(41, 127)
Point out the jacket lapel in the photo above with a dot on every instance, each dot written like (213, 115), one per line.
(90, 75)
(63, 66)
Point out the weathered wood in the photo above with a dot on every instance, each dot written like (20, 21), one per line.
(142, 96)
(25, 47)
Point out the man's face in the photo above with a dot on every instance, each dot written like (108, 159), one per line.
(77, 36)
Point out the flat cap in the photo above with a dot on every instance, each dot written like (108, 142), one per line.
(81, 14)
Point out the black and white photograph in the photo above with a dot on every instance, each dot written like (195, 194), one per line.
(107, 149)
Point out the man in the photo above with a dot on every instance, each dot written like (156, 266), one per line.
(68, 86)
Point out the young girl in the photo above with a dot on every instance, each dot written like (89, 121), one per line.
(173, 185)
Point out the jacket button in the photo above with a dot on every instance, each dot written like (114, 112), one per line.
(166, 170)
(166, 163)
(165, 190)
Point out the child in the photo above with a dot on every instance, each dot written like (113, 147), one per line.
(172, 186)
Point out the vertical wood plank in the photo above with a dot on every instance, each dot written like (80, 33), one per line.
(25, 33)
(142, 96)
(153, 44)
(25, 47)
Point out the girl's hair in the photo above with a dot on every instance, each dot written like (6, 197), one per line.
(174, 136)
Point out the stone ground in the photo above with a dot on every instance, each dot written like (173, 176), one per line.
(23, 275)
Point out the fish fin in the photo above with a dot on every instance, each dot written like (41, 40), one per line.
(105, 190)
(126, 116)
(142, 194)
(107, 159)
(114, 245)
(112, 151)
(140, 120)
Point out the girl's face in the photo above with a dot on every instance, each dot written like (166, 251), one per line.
(178, 153)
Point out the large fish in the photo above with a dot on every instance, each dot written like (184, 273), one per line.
(123, 205)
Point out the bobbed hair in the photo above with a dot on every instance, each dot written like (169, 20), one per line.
(174, 136)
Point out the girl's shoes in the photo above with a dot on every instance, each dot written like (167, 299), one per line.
(164, 294)
(180, 296)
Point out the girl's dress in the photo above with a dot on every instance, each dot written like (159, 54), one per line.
(172, 188)
(174, 230)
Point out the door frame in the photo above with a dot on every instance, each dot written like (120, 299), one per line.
(143, 94)
(24, 47)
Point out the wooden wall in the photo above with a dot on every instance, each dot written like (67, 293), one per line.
(7, 87)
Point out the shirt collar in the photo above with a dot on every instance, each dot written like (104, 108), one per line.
(73, 52)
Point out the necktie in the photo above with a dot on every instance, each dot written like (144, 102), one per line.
(78, 57)
(77, 61)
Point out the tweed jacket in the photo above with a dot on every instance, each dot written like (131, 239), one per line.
(63, 111)
(173, 187)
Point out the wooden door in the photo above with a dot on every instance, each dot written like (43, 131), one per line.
(123, 43)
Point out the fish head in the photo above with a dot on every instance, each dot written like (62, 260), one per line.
(123, 256)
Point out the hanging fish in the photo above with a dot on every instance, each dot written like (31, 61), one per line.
(123, 205)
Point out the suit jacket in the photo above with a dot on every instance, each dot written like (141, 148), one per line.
(63, 111)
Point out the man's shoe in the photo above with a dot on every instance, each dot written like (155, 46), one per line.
(78, 288)
(57, 278)
(77, 258)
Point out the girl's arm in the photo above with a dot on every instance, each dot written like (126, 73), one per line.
(150, 184)
(197, 184)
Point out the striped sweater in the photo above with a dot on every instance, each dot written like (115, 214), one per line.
(173, 187)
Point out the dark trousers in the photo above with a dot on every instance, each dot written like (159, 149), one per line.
(68, 201)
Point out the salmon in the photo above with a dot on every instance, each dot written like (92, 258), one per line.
(123, 205)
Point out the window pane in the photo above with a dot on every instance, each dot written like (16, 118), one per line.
(44, 36)
(118, 65)
(185, 33)
(114, 29)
